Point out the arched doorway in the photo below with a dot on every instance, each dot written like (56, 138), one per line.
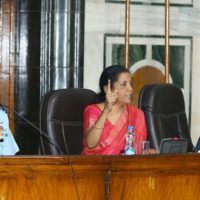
(146, 72)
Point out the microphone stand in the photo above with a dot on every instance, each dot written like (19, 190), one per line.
(50, 140)
(41, 133)
(168, 125)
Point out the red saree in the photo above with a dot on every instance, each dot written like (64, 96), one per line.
(113, 141)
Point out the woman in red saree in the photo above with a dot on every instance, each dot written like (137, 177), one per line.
(105, 123)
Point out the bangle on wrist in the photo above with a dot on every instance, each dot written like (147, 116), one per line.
(98, 127)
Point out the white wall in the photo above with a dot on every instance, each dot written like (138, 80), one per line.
(101, 18)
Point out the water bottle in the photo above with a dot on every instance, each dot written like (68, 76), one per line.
(130, 141)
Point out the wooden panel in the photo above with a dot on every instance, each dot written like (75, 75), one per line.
(143, 76)
(101, 177)
(158, 177)
(51, 178)
(7, 56)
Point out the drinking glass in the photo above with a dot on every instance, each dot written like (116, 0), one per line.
(143, 147)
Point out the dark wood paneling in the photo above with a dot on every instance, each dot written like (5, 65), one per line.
(7, 56)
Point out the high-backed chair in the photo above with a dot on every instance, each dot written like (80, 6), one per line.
(61, 118)
(164, 109)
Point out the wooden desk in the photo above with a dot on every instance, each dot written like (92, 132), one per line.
(100, 177)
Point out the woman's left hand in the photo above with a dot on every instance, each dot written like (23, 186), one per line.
(153, 151)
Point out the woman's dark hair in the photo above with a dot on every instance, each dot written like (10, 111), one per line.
(112, 73)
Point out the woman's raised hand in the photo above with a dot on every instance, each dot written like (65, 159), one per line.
(111, 97)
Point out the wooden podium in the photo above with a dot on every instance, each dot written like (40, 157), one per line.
(150, 177)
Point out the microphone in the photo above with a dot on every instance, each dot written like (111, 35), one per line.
(1, 140)
(41, 133)
(148, 108)
(53, 142)
(144, 106)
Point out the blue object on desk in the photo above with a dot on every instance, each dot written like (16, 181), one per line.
(8, 145)
(198, 145)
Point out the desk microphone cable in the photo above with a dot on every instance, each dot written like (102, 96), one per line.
(70, 162)
(41, 133)
(168, 125)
